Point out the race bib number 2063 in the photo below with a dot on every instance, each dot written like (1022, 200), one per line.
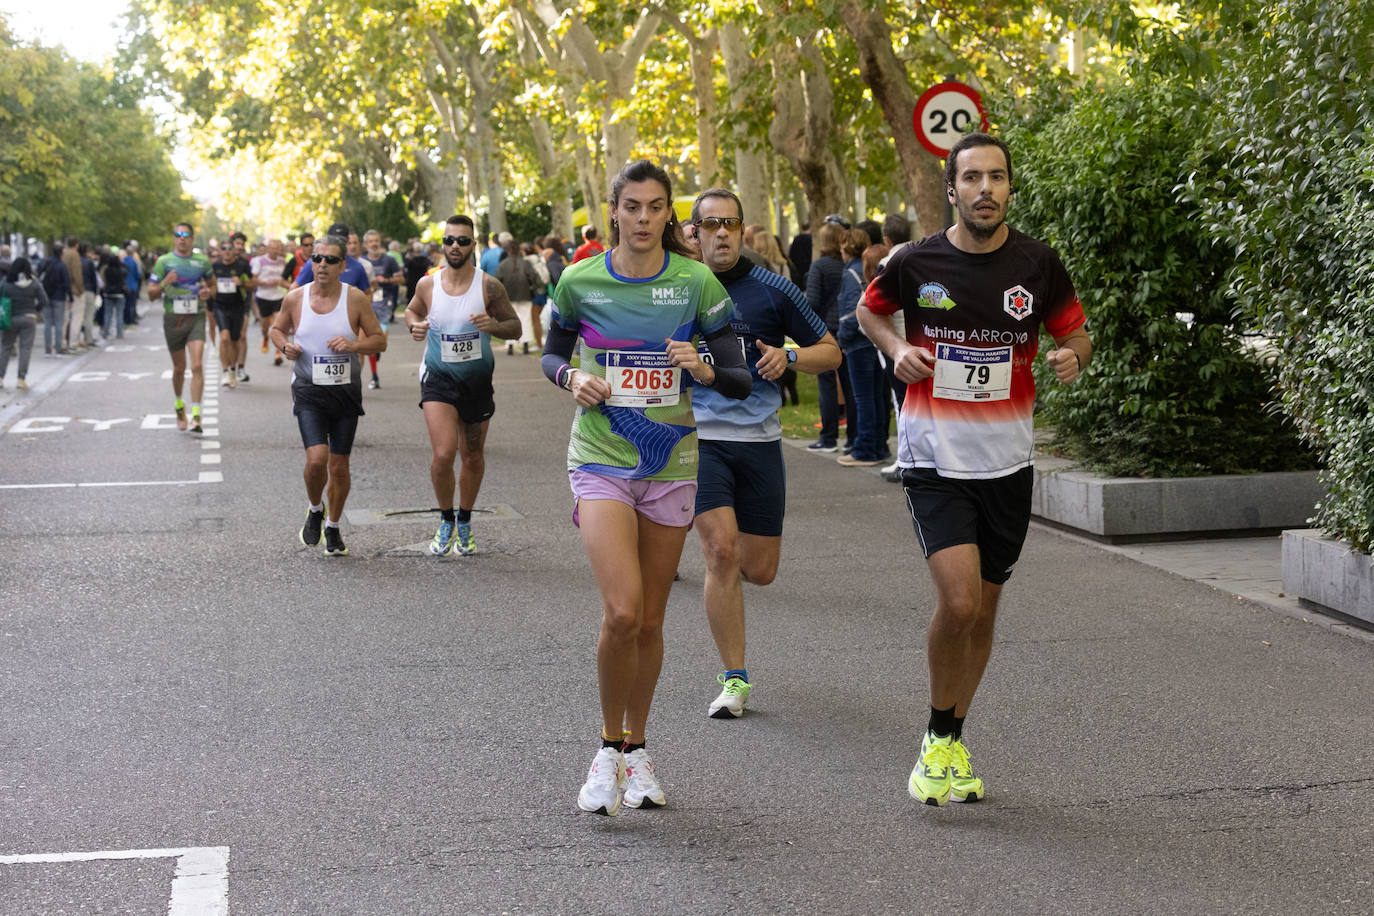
(642, 379)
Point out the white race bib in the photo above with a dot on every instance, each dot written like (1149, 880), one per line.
(460, 348)
(377, 294)
(971, 374)
(185, 306)
(642, 379)
(330, 368)
(226, 285)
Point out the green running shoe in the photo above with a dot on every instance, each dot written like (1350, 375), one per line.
(930, 779)
(730, 703)
(963, 785)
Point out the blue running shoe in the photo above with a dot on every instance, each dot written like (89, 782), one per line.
(467, 544)
(443, 542)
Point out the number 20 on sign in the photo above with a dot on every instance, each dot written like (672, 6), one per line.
(944, 113)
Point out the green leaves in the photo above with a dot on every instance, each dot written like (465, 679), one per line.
(1173, 389)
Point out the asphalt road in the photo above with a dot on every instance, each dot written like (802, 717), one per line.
(185, 686)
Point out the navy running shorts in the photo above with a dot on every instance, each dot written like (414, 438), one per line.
(748, 476)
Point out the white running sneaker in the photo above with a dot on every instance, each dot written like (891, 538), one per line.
(602, 792)
(730, 703)
(642, 789)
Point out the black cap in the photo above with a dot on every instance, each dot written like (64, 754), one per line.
(339, 229)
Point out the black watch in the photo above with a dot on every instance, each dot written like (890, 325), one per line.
(791, 357)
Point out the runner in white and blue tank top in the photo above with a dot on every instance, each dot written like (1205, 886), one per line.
(455, 311)
(333, 325)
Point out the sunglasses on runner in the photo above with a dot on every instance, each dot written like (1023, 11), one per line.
(326, 258)
(463, 240)
(182, 235)
(712, 223)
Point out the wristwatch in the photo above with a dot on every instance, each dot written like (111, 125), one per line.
(791, 356)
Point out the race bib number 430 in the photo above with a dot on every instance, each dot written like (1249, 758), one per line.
(971, 374)
(329, 368)
(185, 306)
(640, 379)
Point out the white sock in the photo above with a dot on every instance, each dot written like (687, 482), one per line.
(329, 524)
(319, 508)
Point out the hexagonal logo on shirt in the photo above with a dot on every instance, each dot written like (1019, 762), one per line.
(1018, 302)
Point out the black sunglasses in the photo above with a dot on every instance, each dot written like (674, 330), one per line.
(463, 240)
(712, 223)
(326, 258)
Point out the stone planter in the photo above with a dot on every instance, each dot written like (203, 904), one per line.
(1126, 509)
(1328, 574)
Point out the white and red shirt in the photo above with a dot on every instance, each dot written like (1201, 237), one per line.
(980, 314)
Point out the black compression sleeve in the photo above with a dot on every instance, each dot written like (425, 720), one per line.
(732, 375)
(558, 351)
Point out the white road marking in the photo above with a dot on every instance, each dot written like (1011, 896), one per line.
(211, 477)
(110, 483)
(209, 444)
(211, 459)
(35, 425)
(100, 426)
(200, 886)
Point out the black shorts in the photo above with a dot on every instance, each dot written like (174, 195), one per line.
(474, 398)
(320, 427)
(991, 513)
(230, 318)
(268, 307)
(750, 477)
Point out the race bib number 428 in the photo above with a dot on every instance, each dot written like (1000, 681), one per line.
(971, 374)
(642, 379)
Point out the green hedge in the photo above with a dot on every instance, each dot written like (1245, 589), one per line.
(1294, 193)
(1166, 394)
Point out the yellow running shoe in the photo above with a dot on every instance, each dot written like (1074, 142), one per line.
(963, 785)
(930, 779)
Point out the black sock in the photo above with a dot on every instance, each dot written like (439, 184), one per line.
(942, 721)
(629, 748)
(959, 728)
(616, 743)
(446, 515)
(464, 515)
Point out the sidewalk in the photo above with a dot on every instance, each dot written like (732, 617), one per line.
(1249, 568)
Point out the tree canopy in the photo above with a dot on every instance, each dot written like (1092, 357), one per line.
(80, 154)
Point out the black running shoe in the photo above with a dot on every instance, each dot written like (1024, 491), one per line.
(333, 543)
(310, 531)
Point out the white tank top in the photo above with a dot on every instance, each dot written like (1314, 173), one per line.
(454, 346)
(314, 332)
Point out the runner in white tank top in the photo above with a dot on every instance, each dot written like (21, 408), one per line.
(326, 391)
(456, 389)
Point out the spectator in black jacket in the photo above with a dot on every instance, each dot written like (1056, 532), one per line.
(27, 297)
(57, 283)
(823, 295)
(113, 273)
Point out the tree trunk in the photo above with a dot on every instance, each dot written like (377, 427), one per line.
(751, 182)
(803, 123)
(440, 182)
(887, 80)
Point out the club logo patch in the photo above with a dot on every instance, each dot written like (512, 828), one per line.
(934, 296)
(1017, 302)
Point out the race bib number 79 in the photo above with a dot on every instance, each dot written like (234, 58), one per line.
(971, 374)
(640, 379)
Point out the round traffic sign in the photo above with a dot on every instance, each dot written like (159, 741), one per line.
(944, 113)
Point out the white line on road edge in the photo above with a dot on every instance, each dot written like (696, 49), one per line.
(205, 477)
(200, 887)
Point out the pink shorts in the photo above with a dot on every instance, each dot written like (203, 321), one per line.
(667, 502)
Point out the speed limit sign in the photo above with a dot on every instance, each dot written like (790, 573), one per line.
(946, 112)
